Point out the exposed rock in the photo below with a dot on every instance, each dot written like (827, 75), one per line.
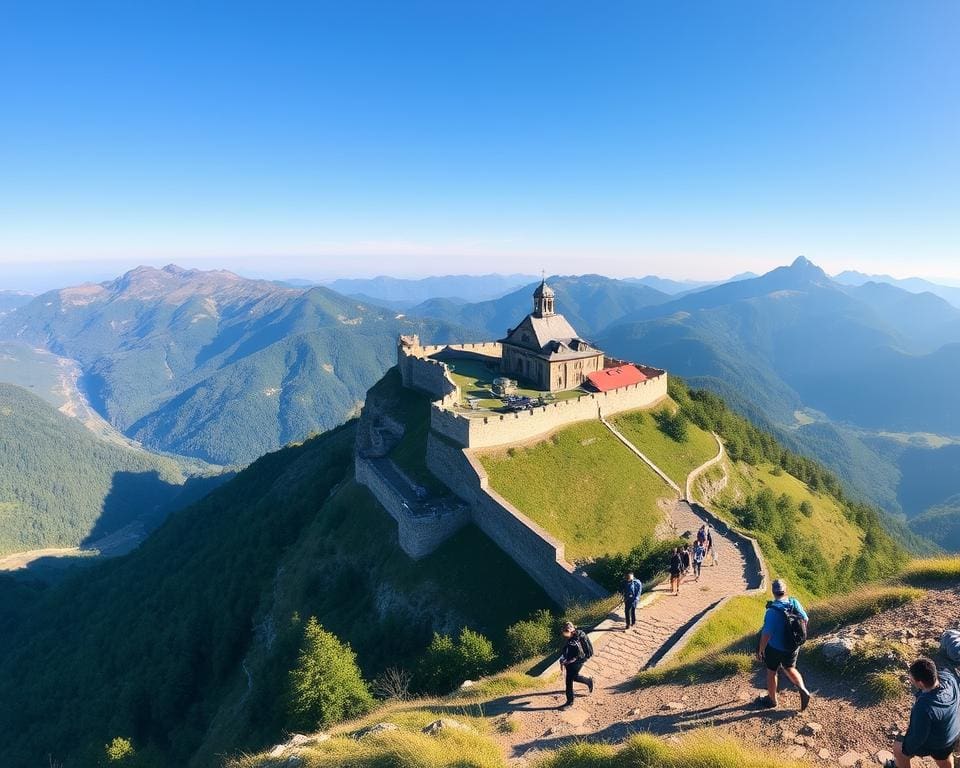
(797, 752)
(837, 649)
(850, 759)
(673, 705)
(635, 712)
(467, 684)
(277, 750)
(445, 724)
(300, 740)
(883, 755)
(825, 754)
(811, 729)
(373, 730)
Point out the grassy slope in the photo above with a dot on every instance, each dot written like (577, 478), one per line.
(150, 646)
(583, 486)
(676, 459)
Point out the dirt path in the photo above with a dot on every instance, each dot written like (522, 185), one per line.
(621, 654)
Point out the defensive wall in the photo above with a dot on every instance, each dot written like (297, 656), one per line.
(419, 532)
(527, 544)
(453, 436)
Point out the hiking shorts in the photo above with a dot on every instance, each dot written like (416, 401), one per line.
(775, 658)
(942, 753)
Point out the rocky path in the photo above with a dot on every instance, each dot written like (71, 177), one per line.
(621, 654)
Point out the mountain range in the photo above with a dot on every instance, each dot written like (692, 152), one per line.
(950, 293)
(214, 366)
(401, 292)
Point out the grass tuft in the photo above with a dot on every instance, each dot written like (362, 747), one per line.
(886, 686)
(931, 569)
(645, 751)
(714, 666)
(827, 615)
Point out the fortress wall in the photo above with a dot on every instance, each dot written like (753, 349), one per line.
(532, 548)
(430, 376)
(501, 429)
(418, 535)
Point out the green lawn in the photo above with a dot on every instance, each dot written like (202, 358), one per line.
(583, 486)
(475, 379)
(676, 459)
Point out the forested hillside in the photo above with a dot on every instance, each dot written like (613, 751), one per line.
(184, 645)
(214, 366)
(61, 486)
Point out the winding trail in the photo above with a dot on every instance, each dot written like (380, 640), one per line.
(664, 623)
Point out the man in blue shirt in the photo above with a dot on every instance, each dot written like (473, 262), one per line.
(777, 649)
(934, 729)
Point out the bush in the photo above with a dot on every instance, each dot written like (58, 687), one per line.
(673, 425)
(446, 664)
(326, 685)
(806, 508)
(119, 751)
(530, 638)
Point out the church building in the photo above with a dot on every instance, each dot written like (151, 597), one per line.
(544, 350)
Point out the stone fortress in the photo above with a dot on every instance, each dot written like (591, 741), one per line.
(576, 382)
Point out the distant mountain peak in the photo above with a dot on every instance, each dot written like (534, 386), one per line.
(807, 271)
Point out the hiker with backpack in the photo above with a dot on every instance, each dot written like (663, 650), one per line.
(784, 631)
(631, 591)
(699, 553)
(576, 651)
(934, 729)
(676, 568)
(685, 557)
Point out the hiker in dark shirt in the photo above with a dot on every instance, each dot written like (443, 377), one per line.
(934, 729)
(631, 594)
(576, 650)
(776, 647)
(685, 557)
(676, 568)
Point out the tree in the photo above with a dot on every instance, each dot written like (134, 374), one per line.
(446, 664)
(326, 685)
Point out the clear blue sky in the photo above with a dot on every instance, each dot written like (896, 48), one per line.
(685, 139)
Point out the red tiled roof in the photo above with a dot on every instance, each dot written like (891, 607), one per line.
(613, 378)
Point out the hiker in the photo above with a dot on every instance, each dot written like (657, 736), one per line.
(699, 553)
(676, 566)
(702, 534)
(711, 550)
(631, 594)
(685, 557)
(784, 631)
(576, 651)
(934, 729)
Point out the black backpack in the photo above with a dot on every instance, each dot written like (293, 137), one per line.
(796, 634)
(584, 646)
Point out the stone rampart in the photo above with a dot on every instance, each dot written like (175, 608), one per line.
(539, 554)
(419, 534)
(472, 431)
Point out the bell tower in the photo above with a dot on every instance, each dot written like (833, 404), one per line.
(543, 300)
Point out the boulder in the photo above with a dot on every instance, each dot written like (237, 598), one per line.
(467, 684)
(883, 755)
(445, 724)
(379, 728)
(825, 754)
(301, 740)
(811, 729)
(795, 753)
(837, 649)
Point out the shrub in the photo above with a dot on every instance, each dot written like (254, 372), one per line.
(446, 664)
(886, 685)
(393, 684)
(531, 637)
(326, 685)
(806, 508)
(673, 425)
(119, 751)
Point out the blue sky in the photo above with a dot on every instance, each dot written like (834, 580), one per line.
(323, 139)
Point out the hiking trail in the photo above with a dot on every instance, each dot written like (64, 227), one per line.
(663, 624)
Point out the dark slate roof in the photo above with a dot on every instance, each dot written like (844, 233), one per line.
(549, 336)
